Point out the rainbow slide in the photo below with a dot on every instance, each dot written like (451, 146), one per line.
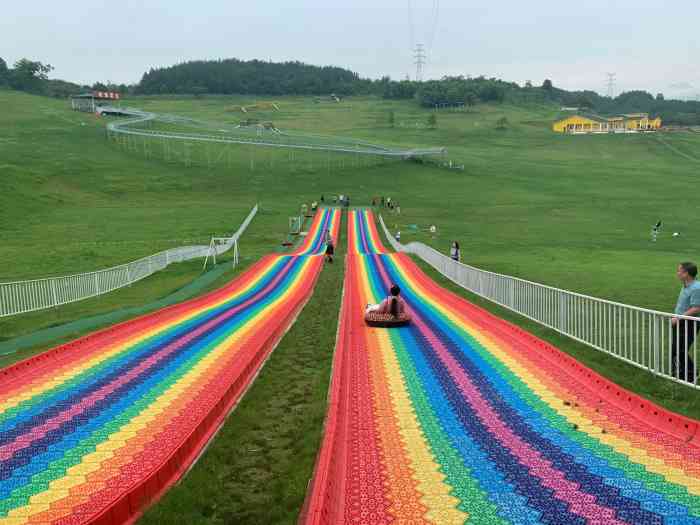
(462, 417)
(96, 429)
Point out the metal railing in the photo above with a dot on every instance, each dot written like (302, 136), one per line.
(660, 342)
(37, 294)
(279, 140)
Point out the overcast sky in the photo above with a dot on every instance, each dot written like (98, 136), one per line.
(651, 45)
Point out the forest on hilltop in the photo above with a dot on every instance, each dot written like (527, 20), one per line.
(257, 77)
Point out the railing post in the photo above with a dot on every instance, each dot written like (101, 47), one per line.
(563, 302)
(511, 293)
(655, 345)
(53, 291)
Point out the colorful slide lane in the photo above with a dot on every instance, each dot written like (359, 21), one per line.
(95, 430)
(462, 417)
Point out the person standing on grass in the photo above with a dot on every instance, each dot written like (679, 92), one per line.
(455, 253)
(684, 330)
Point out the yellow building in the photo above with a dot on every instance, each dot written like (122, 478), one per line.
(595, 124)
(581, 124)
(641, 121)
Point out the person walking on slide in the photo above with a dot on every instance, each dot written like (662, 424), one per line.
(684, 330)
(393, 304)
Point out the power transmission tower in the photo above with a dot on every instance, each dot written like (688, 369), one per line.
(419, 60)
(611, 84)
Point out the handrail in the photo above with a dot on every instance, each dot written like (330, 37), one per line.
(19, 297)
(357, 147)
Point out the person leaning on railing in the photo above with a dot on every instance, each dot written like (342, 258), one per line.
(455, 253)
(684, 330)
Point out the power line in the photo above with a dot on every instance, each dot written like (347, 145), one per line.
(419, 60)
(611, 84)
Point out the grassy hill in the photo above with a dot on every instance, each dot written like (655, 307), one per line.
(570, 211)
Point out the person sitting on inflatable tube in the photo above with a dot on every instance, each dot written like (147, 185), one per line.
(390, 312)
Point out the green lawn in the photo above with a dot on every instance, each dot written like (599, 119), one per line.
(572, 211)
(569, 211)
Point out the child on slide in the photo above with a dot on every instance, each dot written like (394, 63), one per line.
(393, 304)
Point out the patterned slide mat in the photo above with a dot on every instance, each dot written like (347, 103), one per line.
(462, 417)
(94, 430)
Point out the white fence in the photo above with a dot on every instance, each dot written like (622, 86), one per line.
(659, 342)
(37, 294)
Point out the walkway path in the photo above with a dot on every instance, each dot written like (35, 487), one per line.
(461, 416)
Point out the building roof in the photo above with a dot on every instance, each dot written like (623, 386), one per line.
(589, 116)
(100, 95)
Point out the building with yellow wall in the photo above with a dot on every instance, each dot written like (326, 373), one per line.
(596, 124)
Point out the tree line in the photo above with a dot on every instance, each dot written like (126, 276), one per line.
(461, 91)
(257, 77)
(252, 77)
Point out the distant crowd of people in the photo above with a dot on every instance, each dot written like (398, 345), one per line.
(342, 200)
(386, 202)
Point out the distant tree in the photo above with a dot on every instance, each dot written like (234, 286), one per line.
(432, 121)
(584, 101)
(100, 86)
(528, 84)
(470, 99)
(547, 85)
(502, 123)
(4, 73)
(492, 92)
(61, 88)
(198, 91)
(634, 101)
(659, 97)
(391, 118)
(258, 77)
(28, 75)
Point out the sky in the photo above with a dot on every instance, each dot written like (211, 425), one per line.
(650, 45)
